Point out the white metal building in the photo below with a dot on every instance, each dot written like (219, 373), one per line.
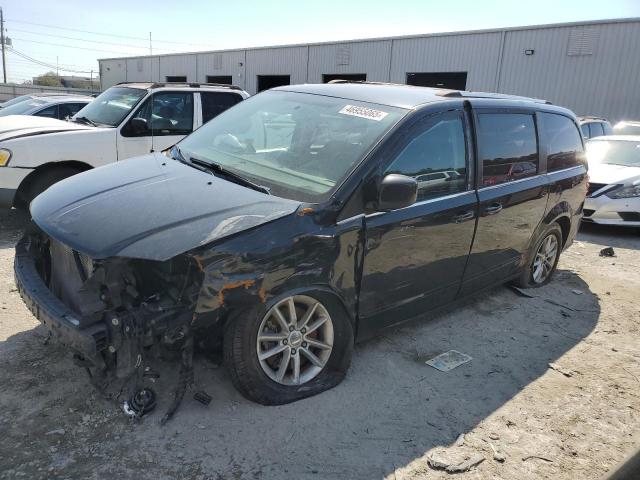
(591, 67)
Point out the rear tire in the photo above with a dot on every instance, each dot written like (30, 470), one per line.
(543, 259)
(41, 182)
(261, 379)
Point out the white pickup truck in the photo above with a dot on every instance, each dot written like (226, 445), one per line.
(125, 121)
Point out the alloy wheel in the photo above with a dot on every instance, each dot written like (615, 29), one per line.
(295, 340)
(545, 259)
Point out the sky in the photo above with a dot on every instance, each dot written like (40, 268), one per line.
(75, 34)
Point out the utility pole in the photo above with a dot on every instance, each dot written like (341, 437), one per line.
(150, 49)
(4, 58)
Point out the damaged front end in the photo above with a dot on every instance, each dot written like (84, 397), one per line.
(115, 314)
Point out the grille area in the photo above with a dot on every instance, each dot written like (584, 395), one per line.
(69, 271)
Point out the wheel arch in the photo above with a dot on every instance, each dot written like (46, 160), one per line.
(24, 186)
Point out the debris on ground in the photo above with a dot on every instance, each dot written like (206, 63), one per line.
(559, 369)
(577, 292)
(522, 292)
(529, 457)
(460, 440)
(607, 252)
(448, 361)
(57, 431)
(439, 463)
(494, 436)
(498, 456)
(202, 397)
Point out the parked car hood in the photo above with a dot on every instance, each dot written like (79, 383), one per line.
(13, 126)
(150, 207)
(606, 173)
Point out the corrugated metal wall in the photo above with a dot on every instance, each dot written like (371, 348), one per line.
(592, 68)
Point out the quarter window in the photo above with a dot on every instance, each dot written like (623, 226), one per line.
(436, 157)
(214, 103)
(507, 146)
(595, 130)
(564, 145)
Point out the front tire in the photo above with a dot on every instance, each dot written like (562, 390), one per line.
(41, 182)
(299, 347)
(543, 260)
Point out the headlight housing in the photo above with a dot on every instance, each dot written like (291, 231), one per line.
(5, 156)
(625, 192)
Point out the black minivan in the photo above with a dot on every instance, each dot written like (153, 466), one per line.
(296, 222)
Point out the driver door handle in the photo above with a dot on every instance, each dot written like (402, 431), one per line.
(493, 208)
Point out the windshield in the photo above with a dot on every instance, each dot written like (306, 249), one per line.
(21, 98)
(21, 108)
(624, 128)
(111, 106)
(614, 152)
(298, 145)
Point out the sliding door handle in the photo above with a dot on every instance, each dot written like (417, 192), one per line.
(463, 216)
(493, 208)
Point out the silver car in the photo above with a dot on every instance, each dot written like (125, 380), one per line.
(58, 106)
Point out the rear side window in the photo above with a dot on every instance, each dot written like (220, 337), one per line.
(595, 130)
(608, 130)
(436, 157)
(507, 146)
(214, 103)
(564, 145)
(51, 112)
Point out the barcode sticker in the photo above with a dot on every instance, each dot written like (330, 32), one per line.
(363, 112)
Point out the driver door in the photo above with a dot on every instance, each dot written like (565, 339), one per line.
(162, 120)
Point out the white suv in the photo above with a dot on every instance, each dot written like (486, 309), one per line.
(127, 120)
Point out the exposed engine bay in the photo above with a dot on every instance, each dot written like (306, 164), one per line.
(133, 310)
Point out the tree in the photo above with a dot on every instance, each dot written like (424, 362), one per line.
(49, 79)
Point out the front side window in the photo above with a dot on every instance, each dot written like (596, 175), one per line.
(300, 146)
(50, 112)
(584, 128)
(163, 113)
(436, 157)
(507, 146)
(68, 110)
(595, 130)
(112, 106)
(214, 103)
(564, 145)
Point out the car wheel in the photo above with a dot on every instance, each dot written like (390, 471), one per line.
(544, 260)
(43, 181)
(299, 347)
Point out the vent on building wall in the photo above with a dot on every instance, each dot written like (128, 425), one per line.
(581, 41)
(343, 55)
(217, 61)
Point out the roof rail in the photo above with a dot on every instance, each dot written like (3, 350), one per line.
(499, 96)
(186, 84)
(365, 82)
(591, 117)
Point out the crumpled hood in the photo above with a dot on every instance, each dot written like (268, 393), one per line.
(604, 173)
(150, 207)
(13, 126)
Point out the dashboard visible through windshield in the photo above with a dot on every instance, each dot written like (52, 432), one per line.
(111, 106)
(298, 145)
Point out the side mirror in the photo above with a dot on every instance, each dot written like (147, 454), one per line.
(397, 191)
(139, 125)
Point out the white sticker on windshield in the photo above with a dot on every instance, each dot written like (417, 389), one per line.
(363, 112)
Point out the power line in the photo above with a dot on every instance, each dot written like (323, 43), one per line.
(77, 39)
(72, 46)
(104, 34)
(44, 64)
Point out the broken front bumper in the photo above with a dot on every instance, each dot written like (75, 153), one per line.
(61, 321)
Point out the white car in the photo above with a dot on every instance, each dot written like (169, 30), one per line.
(614, 181)
(125, 121)
(627, 127)
(61, 107)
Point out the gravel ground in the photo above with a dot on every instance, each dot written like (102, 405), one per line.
(390, 416)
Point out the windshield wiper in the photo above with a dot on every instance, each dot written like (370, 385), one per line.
(232, 176)
(85, 120)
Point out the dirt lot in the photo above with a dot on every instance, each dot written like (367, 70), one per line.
(390, 414)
